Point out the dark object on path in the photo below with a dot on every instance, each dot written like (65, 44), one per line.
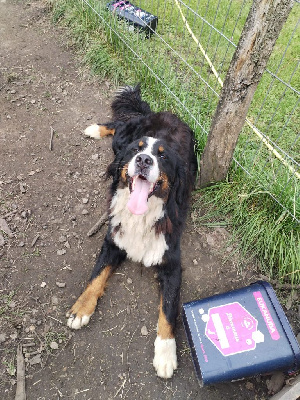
(240, 334)
(140, 19)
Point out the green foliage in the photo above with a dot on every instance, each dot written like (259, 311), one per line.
(260, 227)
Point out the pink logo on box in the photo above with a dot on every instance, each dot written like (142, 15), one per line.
(231, 328)
(266, 315)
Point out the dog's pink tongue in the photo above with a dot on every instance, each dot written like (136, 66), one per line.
(137, 203)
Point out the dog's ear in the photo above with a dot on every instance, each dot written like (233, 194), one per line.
(177, 204)
(113, 169)
(181, 185)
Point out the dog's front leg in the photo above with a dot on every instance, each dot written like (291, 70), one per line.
(165, 358)
(109, 259)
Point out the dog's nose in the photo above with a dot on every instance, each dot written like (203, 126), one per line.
(143, 160)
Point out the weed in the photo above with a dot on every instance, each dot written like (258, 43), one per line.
(50, 337)
(10, 366)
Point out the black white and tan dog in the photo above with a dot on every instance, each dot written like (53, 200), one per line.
(153, 174)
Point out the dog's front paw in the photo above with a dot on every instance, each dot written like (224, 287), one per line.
(81, 312)
(165, 359)
(76, 322)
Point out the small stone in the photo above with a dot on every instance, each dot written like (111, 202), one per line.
(61, 252)
(22, 188)
(61, 284)
(67, 245)
(13, 336)
(144, 331)
(12, 304)
(84, 212)
(95, 157)
(129, 281)
(195, 262)
(249, 386)
(54, 300)
(31, 328)
(62, 239)
(43, 284)
(21, 244)
(85, 200)
(53, 345)
(35, 360)
(2, 337)
(276, 382)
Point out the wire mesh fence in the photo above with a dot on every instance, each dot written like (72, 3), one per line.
(185, 59)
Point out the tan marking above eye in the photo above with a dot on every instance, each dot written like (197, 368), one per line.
(161, 149)
(141, 143)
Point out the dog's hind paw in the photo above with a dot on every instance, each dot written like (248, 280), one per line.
(98, 131)
(93, 131)
(165, 359)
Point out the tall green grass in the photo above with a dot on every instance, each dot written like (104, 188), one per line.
(261, 226)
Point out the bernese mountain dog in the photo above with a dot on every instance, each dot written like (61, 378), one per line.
(153, 174)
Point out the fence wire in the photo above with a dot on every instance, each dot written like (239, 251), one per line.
(187, 57)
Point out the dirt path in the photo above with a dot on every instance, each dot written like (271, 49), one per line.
(50, 199)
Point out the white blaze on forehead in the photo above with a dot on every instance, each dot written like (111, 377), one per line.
(148, 150)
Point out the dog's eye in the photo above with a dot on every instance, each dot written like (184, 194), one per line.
(136, 150)
(163, 156)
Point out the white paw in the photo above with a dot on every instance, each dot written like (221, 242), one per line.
(75, 322)
(93, 131)
(165, 359)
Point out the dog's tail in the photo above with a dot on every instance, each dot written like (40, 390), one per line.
(128, 104)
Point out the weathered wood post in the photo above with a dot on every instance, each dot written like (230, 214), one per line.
(261, 30)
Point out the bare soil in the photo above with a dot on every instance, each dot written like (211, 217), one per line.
(50, 198)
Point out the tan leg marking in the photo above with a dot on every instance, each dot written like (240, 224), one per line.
(164, 330)
(84, 307)
(104, 131)
(165, 359)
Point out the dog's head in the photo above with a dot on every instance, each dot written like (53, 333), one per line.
(149, 167)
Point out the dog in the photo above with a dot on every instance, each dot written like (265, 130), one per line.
(153, 174)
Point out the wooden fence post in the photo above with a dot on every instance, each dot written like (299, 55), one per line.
(261, 30)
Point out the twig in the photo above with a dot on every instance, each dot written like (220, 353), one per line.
(5, 228)
(51, 138)
(10, 214)
(98, 224)
(121, 387)
(20, 391)
(35, 240)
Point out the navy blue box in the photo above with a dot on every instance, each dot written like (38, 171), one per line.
(239, 334)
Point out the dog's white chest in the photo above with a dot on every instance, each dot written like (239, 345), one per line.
(136, 233)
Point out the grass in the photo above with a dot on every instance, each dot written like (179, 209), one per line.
(261, 226)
